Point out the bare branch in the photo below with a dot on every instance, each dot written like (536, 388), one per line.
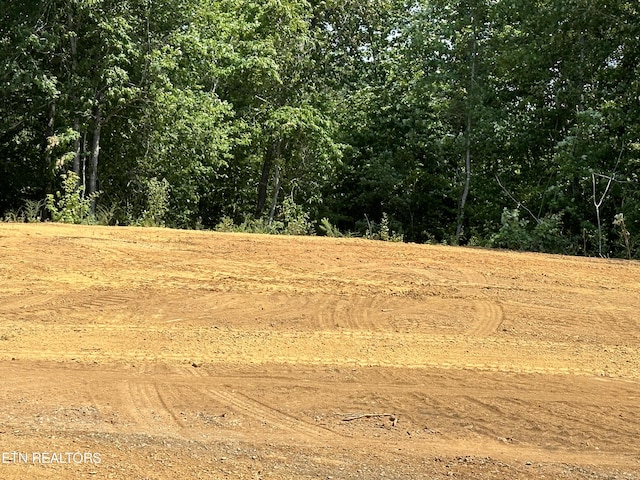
(519, 203)
(598, 203)
(356, 416)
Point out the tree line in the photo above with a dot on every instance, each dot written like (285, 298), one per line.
(505, 123)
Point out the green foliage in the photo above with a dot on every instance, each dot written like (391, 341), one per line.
(250, 225)
(105, 215)
(382, 231)
(516, 234)
(363, 110)
(292, 220)
(157, 203)
(71, 205)
(226, 224)
(513, 233)
(33, 210)
(295, 219)
(328, 229)
(30, 212)
(13, 216)
(625, 236)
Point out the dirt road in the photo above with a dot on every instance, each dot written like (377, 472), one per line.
(132, 353)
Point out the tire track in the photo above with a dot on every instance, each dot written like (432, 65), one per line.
(489, 318)
(550, 422)
(33, 306)
(107, 300)
(120, 344)
(472, 277)
(163, 394)
(281, 420)
(489, 314)
(358, 313)
(617, 322)
(148, 409)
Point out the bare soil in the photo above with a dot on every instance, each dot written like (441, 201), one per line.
(132, 353)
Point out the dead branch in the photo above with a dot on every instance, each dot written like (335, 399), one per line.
(356, 416)
(518, 202)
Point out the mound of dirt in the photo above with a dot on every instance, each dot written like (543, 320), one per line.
(133, 353)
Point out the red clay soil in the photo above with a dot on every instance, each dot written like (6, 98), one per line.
(132, 353)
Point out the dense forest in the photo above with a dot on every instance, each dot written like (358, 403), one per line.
(504, 123)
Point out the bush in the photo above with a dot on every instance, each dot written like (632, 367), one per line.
(249, 225)
(329, 229)
(226, 224)
(14, 216)
(33, 210)
(71, 205)
(157, 203)
(293, 220)
(625, 236)
(105, 215)
(382, 231)
(516, 234)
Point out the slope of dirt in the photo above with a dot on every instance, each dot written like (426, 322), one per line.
(153, 354)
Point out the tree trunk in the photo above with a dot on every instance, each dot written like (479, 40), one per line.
(84, 162)
(264, 182)
(76, 148)
(51, 130)
(467, 181)
(467, 163)
(48, 149)
(273, 152)
(276, 191)
(95, 152)
(74, 66)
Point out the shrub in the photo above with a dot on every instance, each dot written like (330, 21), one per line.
(14, 216)
(294, 218)
(71, 205)
(226, 224)
(33, 209)
(105, 215)
(516, 234)
(625, 236)
(249, 225)
(329, 229)
(157, 203)
(382, 231)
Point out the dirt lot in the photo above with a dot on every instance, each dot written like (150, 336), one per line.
(156, 354)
